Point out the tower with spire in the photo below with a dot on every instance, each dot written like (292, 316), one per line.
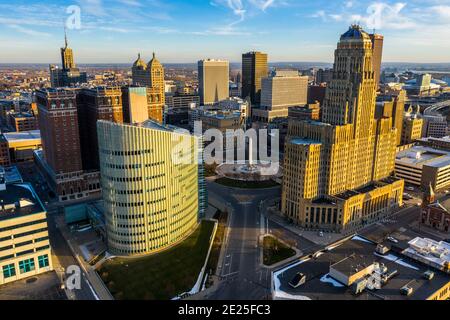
(67, 55)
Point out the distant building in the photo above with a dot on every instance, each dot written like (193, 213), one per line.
(412, 127)
(23, 121)
(436, 143)
(308, 112)
(213, 78)
(24, 242)
(151, 75)
(254, 68)
(69, 75)
(323, 76)
(21, 145)
(434, 126)
(280, 91)
(317, 93)
(181, 101)
(151, 202)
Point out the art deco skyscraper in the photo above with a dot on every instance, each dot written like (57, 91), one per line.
(254, 68)
(338, 173)
(68, 74)
(67, 56)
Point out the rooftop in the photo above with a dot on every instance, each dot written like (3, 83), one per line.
(19, 200)
(22, 136)
(301, 141)
(420, 155)
(346, 256)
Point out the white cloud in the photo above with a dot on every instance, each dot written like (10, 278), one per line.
(29, 32)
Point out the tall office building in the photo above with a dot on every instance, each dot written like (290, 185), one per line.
(254, 68)
(280, 91)
(213, 78)
(101, 103)
(151, 198)
(24, 243)
(338, 173)
(61, 158)
(151, 75)
(377, 47)
(69, 74)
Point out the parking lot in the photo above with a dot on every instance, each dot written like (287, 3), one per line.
(41, 287)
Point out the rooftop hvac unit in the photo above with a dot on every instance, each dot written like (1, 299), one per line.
(359, 286)
(381, 249)
(406, 291)
(429, 275)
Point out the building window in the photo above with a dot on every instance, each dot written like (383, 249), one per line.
(9, 271)
(43, 261)
(26, 265)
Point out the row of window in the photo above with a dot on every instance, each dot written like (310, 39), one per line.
(25, 266)
(125, 153)
(23, 253)
(17, 226)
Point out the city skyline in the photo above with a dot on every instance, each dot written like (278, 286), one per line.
(288, 30)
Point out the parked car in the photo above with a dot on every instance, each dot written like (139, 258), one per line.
(392, 239)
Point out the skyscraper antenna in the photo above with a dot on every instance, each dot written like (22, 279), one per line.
(65, 35)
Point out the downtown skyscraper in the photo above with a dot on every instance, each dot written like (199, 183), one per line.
(338, 172)
(254, 68)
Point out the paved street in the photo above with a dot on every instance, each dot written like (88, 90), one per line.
(63, 258)
(244, 277)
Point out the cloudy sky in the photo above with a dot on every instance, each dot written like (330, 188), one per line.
(114, 31)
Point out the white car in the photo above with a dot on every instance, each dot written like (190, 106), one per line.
(392, 239)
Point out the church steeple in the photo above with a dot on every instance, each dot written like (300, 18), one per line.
(429, 196)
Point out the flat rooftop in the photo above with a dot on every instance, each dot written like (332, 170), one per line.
(22, 136)
(418, 156)
(321, 286)
(301, 141)
(19, 200)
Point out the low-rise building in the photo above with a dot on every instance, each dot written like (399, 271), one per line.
(355, 269)
(422, 166)
(23, 121)
(24, 242)
(21, 145)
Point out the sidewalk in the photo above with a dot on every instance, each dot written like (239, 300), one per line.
(94, 281)
(273, 214)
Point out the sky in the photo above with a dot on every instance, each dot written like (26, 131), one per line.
(184, 31)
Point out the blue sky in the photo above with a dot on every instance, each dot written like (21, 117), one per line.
(114, 31)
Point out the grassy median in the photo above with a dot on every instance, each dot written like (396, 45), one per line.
(161, 276)
(275, 251)
(246, 184)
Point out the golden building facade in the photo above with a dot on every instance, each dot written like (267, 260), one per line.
(337, 173)
(151, 75)
(151, 201)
